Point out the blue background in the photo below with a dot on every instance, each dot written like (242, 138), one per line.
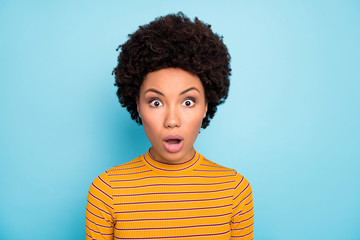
(291, 123)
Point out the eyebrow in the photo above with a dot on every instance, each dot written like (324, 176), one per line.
(155, 91)
(160, 93)
(189, 89)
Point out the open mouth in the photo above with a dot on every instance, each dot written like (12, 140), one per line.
(173, 143)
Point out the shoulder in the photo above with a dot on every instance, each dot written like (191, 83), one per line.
(120, 171)
(212, 165)
(133, 164)
(239, 180)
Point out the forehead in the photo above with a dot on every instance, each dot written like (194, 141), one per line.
(171, 80)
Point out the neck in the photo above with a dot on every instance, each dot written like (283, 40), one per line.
(188, 157)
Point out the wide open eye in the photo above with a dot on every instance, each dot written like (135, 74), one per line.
(155, 103)
(188, 103)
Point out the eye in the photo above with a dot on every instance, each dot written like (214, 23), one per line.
(155, 103)
(188, 103)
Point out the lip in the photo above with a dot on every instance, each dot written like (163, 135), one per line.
(173, 148)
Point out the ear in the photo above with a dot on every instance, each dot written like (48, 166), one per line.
(138, 107)
(206, 108)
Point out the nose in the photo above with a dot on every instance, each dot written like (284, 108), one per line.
(172, 119)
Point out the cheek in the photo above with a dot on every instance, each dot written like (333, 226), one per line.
(148, 123)
(194, 122)
(151, 124)
(197, 116)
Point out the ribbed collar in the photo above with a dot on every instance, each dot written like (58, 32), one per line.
(172, 168)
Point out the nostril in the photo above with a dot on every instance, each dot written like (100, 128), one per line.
(172, 123)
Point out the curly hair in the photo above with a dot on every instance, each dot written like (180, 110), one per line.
(173, 41)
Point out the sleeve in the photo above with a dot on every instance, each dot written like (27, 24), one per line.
(242, 220)
(100, 210)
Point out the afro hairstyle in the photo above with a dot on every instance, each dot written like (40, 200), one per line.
(173, 41)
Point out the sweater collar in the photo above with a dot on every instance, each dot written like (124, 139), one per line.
(171, 168)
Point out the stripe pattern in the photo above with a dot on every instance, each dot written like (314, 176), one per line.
(146, 199)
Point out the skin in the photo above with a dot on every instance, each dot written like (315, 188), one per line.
(171, 102)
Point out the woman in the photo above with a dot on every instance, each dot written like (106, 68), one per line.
(171, 76)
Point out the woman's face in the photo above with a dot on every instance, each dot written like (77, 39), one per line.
(172, 105)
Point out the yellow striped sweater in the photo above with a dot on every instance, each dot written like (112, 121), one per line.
(146, 199)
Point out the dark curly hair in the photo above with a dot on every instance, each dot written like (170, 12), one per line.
(173, 41)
